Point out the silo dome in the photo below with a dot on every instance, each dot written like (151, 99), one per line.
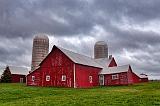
(41, 36)
(100, 50)
(40, 50)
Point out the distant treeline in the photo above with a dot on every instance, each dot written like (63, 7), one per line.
(154, 80)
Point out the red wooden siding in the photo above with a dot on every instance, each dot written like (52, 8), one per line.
(122, 79)
(16, 78)
(112, 63)
(144, 79)
(55, 65)
(37, 81)
(82, 76)
(135, 78)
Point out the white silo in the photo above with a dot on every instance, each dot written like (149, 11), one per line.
(100, 50)
(40, 50)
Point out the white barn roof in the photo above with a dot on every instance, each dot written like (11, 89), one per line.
(143, 76)
(103, 62)
(80, 59)
(113, 70)
(15, 70)
(99, 63)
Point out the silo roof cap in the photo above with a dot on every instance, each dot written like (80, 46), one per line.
(41, 36)
(101, 43)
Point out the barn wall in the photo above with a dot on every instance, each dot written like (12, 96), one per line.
(143, 79)
(16, 78)
(135, 78)
(82, 76)
(113, 63)
(37, 82)
(132, 77)
(122, 79)
(56, 65)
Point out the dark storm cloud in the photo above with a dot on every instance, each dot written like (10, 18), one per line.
(21, 19)
(135, 39)
(136, 10)
(15, 51)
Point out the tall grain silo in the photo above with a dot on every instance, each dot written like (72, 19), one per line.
(100, 50)
(40, 50)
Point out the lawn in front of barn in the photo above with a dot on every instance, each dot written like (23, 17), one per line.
(145, 94)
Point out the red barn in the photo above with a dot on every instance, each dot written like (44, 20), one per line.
(18, 78)
(63, 68)
(121, 75)
(18, 73)
(143, 78)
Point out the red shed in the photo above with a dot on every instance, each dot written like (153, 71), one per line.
(18, 73)
(143, 78)
(121, 75)
(64, 68)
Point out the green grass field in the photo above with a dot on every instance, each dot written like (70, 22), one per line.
(147, 94)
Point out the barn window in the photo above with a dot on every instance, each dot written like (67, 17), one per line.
(115, 76)
(63, 77)
(90, 79)
(33, 78)
(47, 78)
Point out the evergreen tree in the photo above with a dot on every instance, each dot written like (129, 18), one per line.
(6, 76)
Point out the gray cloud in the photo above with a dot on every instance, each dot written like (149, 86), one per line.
(129, 27)
(56, 17)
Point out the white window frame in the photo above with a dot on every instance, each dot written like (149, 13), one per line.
(48, 77)
(21, 80)
(101, 79)
(90, 79)
(63, 77)
(33, 78)
(115, 76)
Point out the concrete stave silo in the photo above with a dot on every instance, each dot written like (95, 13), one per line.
(40, 50)
(100, 50)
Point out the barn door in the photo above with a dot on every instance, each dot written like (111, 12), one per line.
(101, 80)
(21, 80)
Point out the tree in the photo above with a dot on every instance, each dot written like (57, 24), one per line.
(6, 76)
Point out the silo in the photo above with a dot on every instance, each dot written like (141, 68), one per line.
(40, 50)
(100, 50)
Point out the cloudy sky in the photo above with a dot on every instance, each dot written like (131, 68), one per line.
(131, 29)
